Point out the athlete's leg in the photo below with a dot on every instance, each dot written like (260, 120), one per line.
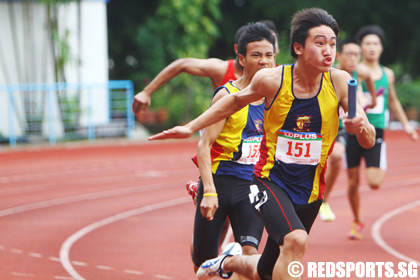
(283, 225)
(335, 164)
(375, 177)
(243, 265)
(226, 234)
(206, 235)
(353, 193)
(293, 249)
(376, 162)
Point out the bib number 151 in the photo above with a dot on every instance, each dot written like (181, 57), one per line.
(299, 148)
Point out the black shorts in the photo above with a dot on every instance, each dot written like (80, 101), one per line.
(233, 195)
(374, 157)
(281, 216)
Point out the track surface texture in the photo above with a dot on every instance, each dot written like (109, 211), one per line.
(120, 210)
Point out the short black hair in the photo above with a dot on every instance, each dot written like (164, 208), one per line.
(253, 33)
(368, 30)
(306, 19)
(270, 24)
(348, 40)
(239, 33)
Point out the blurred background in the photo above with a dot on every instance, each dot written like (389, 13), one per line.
(69, 69)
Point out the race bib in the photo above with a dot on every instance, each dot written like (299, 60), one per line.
(299, 147)
(250, 150)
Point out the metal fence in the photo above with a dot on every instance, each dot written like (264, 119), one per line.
(64, 112)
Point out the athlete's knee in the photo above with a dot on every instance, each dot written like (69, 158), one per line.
(353, 189)
(374, 177)
(295, 242)
(353, 181)
(374, 185)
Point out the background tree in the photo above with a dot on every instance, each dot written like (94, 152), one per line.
(145, 36)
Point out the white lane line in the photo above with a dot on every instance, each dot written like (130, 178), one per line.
(104, 267)
(58, 277)
(16, 251)
(82, 197)
(376, 231)
(23, 274)
(54, 259)
(162, 277)
(35, 255)
(68, 243)
(134, 272)
(387, 185)
(79, 263)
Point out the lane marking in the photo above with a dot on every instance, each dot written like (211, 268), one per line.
(68, 243)
(16, 251)
(134, 272)
(84, 197)
(76, 263)
(35, 255)
(79, 263)
(386, 185)
(162, 276)
(54, 259)
(376, 231)
(104, 267)
(23, 274)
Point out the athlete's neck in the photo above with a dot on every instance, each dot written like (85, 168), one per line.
(305, 82)
(371, 64)
(374, 68)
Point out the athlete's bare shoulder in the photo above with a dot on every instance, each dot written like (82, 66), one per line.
(268, 76)
(339, 76)
(389, 74)
(267, 81)
(340, 80)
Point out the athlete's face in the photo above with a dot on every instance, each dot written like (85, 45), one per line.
(320, 48)
(371, 47)
(349, 57)
(259, 55)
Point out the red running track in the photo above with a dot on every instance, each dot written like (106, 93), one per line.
(120, 211)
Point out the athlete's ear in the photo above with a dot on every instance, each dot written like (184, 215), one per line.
(241, 59)
(298, 48)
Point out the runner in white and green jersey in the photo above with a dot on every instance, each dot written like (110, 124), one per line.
(371, 39)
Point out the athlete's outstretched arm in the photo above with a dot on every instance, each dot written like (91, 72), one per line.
(225, 107)
(212, 68)
(396, 108)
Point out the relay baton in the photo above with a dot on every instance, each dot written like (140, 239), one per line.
(352, 98)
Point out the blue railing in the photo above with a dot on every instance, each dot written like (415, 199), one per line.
(63, 111)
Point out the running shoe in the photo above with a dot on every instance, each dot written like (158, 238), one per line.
(356, 231)
(213, 267)
(325, 212)
(192, 187)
